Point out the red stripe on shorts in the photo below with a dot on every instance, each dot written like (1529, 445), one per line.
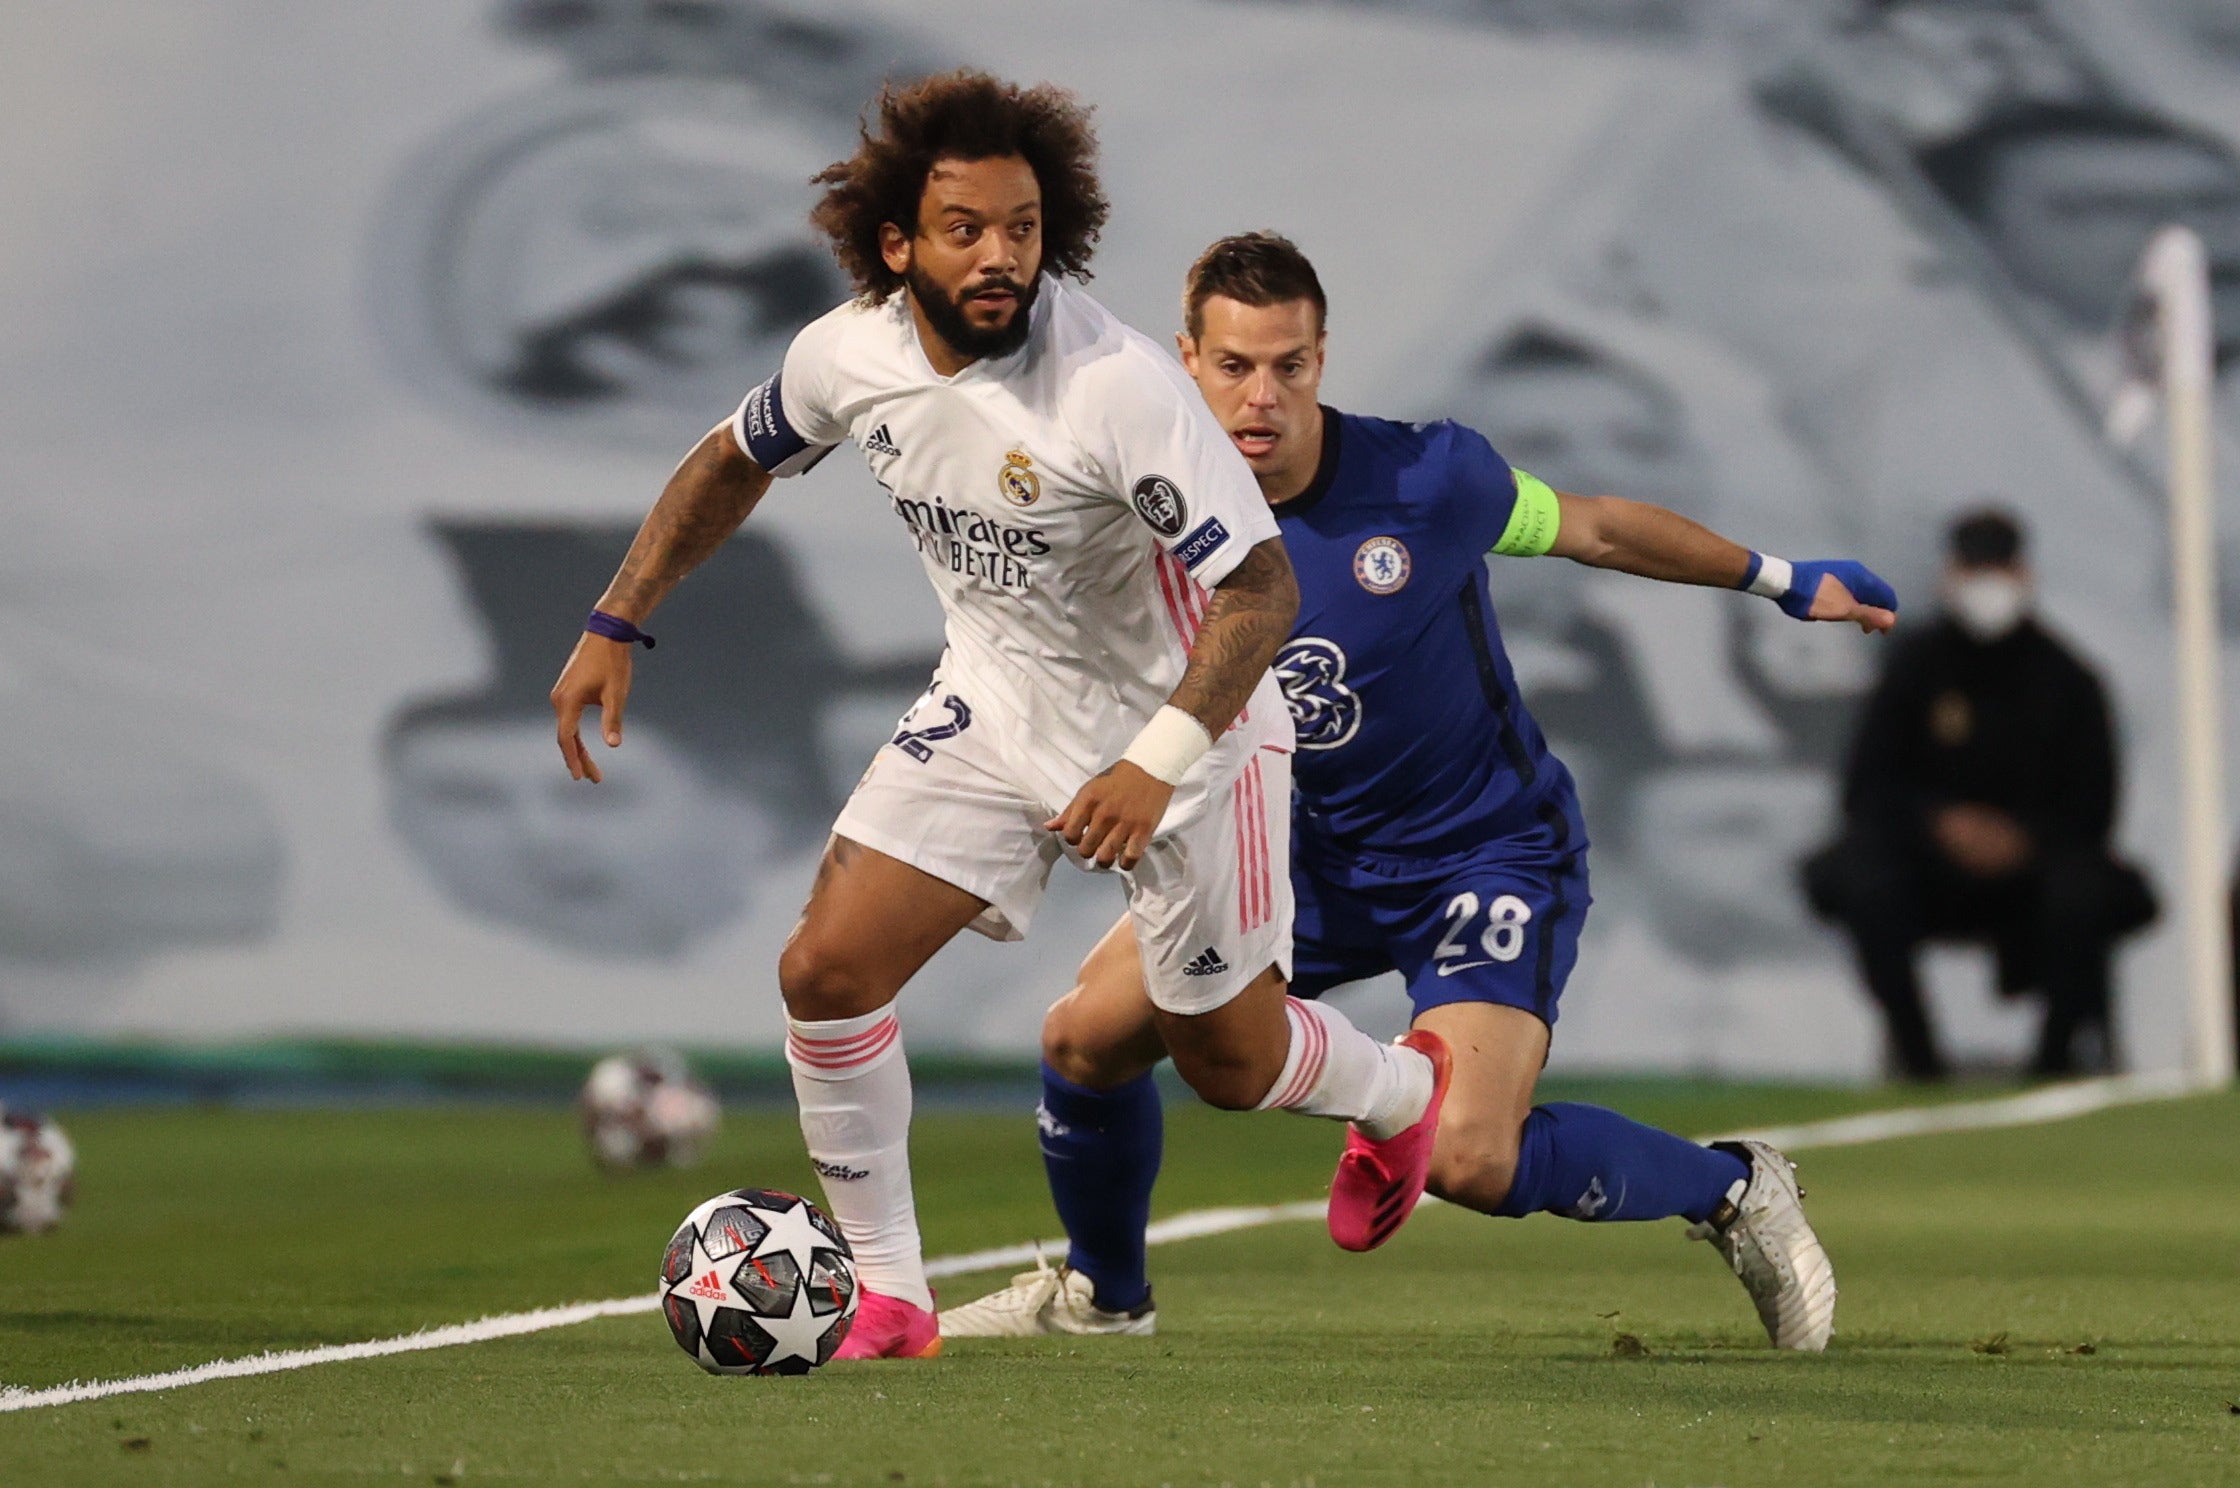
(1254, 865)
(1248, 897)
(1244, 872)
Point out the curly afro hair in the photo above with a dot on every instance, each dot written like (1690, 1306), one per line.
(962, 115)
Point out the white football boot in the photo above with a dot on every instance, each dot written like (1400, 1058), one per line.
(1762, 1231)
(1044, 1301)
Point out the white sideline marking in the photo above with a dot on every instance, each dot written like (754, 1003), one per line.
(1191, 1226)
(2056, 1103)
(506, 1325)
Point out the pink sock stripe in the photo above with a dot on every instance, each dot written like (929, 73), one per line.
(843, 1043)
(1314, 1052)
(844, 1053)
(1312, 1060)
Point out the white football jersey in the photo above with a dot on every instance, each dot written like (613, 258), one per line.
(1072, 502)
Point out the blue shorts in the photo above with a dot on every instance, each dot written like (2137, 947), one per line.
(1498, 922)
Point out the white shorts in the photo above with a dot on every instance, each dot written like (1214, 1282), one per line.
(1211, 898)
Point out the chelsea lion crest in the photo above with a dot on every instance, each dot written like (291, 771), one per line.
(1382, 565)
(1021, 486)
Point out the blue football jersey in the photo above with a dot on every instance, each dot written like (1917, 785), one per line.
(1413, 740)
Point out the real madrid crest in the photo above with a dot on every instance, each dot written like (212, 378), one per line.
(1021, 486)
(1382, 565)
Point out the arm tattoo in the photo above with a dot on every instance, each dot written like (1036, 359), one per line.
(705, 501)
(1248, 620)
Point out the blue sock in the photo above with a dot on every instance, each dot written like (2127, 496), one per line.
(1101, 1149)
(1584, 1162)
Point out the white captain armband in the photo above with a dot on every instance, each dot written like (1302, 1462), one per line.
(763, 431)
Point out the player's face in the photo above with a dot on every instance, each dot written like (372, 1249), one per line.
(1260, 368)
(972, 263)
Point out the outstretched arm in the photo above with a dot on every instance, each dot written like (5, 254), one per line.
(1637, 538)
(1111, 818)
(708, 496)
(706, 499)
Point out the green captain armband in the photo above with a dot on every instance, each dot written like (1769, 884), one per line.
(1532, 522)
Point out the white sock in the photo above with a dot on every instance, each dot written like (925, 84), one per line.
(1334, 1069)
(853, 1086)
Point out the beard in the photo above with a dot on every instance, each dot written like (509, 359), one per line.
(947, 317)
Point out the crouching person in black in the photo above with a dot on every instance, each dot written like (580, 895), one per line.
(1978, 802)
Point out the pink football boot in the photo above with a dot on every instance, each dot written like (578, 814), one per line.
(1378, 1183)
(887, 1328)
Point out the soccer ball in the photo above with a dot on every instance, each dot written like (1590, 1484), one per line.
(758, 1281)
(38, 1172)
(643, 1110)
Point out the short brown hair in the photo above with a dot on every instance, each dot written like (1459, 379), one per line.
(1254, 268)
(962, 115)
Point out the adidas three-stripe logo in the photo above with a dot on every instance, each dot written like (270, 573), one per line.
(881, 442)
(1207, 962)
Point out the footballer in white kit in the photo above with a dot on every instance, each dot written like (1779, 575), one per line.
(1114, 591)
(1072, 503)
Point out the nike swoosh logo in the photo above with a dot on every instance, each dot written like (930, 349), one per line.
(1449, 968)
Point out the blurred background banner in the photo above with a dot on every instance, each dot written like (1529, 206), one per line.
(343, 347)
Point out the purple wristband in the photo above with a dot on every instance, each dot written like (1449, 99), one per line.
(615, 628)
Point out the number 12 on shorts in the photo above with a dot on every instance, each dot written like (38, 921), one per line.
(1500, 936)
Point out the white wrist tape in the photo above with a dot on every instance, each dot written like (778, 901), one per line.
(1169, 745)
(1776, 577)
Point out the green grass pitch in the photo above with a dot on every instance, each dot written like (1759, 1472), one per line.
(2053, 1304)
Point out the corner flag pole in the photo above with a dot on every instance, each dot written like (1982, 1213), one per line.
(2174, 276)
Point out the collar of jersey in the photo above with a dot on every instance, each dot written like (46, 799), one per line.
(1037, 319)
(1325, 470)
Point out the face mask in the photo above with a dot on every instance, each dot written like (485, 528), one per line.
(1989, 605)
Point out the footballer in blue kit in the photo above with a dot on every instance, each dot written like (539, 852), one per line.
(1433, 834)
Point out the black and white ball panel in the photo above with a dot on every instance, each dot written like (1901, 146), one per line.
(758, 1281)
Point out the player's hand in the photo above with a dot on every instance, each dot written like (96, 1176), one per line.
(1112, 817)
(597, 676)
(1838, 589)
